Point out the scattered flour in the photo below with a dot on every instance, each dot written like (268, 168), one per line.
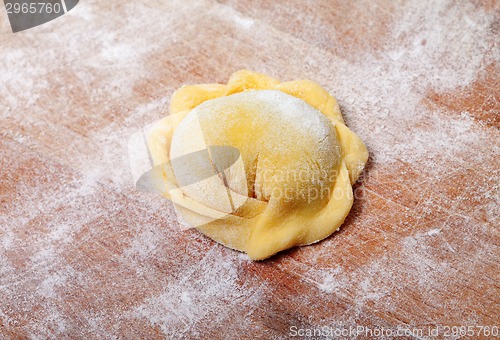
(434, 232)
(81, 202)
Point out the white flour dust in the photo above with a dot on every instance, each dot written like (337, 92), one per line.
(81, 250)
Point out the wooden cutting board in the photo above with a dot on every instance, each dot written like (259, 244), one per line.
(85, 255)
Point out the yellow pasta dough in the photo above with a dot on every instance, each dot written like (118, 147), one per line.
(258, 165)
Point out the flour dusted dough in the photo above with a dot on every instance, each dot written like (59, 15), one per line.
(296, 162)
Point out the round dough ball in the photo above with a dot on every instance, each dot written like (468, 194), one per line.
(288, 148)
(258, 165)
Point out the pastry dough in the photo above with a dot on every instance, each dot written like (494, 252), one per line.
(258, 165)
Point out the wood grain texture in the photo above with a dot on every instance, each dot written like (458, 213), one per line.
(83, 254)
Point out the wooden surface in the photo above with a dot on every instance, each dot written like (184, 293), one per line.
(85, 255)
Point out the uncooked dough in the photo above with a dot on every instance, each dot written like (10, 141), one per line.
(258, 165)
